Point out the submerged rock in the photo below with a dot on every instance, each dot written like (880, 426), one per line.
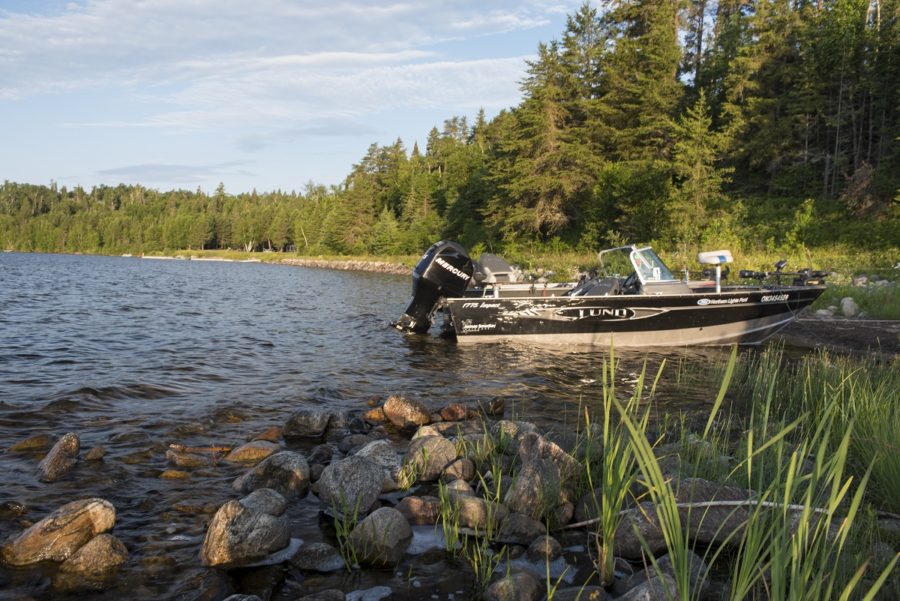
(60, 534)
(252, 452)
(99, 557)
(242, 532)
(61, 458)
(38, 442)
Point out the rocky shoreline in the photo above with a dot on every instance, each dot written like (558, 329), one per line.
(350, 265)
(393, 482)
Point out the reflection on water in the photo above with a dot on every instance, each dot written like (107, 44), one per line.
(134, 355)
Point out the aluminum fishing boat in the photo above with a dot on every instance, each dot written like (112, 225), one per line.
(634, 300)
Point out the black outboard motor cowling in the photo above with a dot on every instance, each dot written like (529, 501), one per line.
(443, 271)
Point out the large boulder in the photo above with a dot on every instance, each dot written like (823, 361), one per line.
(61, 458)
(536, 490)
(382, 452)
(405, 413)
(381, 539)
(60, 534)
(427, 457)
(351, 486)
(533, 446)
(705, 525)
(242, 532)
(286, 472)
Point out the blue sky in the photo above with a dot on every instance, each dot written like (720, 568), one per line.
(262, 95)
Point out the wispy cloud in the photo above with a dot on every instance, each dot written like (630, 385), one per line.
(185, 174)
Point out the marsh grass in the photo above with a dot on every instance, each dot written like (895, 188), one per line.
(797, 454)
(345, 521)
(617, 464)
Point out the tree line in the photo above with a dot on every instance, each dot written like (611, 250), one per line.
(678, 120)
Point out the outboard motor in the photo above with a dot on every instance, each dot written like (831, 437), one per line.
(444, 270)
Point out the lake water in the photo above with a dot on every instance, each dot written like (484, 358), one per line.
(135, 354)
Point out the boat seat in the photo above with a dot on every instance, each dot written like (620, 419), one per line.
(597, 287)
(669, 287)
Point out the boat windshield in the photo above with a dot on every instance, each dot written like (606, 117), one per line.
(649, 267)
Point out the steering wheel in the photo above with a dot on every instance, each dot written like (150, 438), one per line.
(631, 283)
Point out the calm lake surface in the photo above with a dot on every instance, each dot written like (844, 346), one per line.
(135, 354)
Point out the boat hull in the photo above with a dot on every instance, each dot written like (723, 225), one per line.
(739, 315)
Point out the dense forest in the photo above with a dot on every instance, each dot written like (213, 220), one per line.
(688, 121)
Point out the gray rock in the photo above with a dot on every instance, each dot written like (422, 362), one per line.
(519, 529)
(698, 572)
(240, 597)
(265, 500)
(520, 586)
(382, 452)
(655, 588)
(860, 280)
(507, 433)
(427, 457)
(61, 458)
(240, 535)
(427, 430)
(285, 472)
(824, 313)
(533, 446)
(405, 413)
(479, 514)
(321, 453)
(252, 452)
(461, 469)
(60, 534)
(310, 422)
(318, 557)
(849, 308)
(461, 488)
(544, 548)
(536, 490)
(381, 539)
(351, 486)
(99, 557)
(705, 525)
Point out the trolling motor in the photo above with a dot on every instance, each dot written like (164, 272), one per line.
(443, 271)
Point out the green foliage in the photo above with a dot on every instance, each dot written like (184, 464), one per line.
(691, 123)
